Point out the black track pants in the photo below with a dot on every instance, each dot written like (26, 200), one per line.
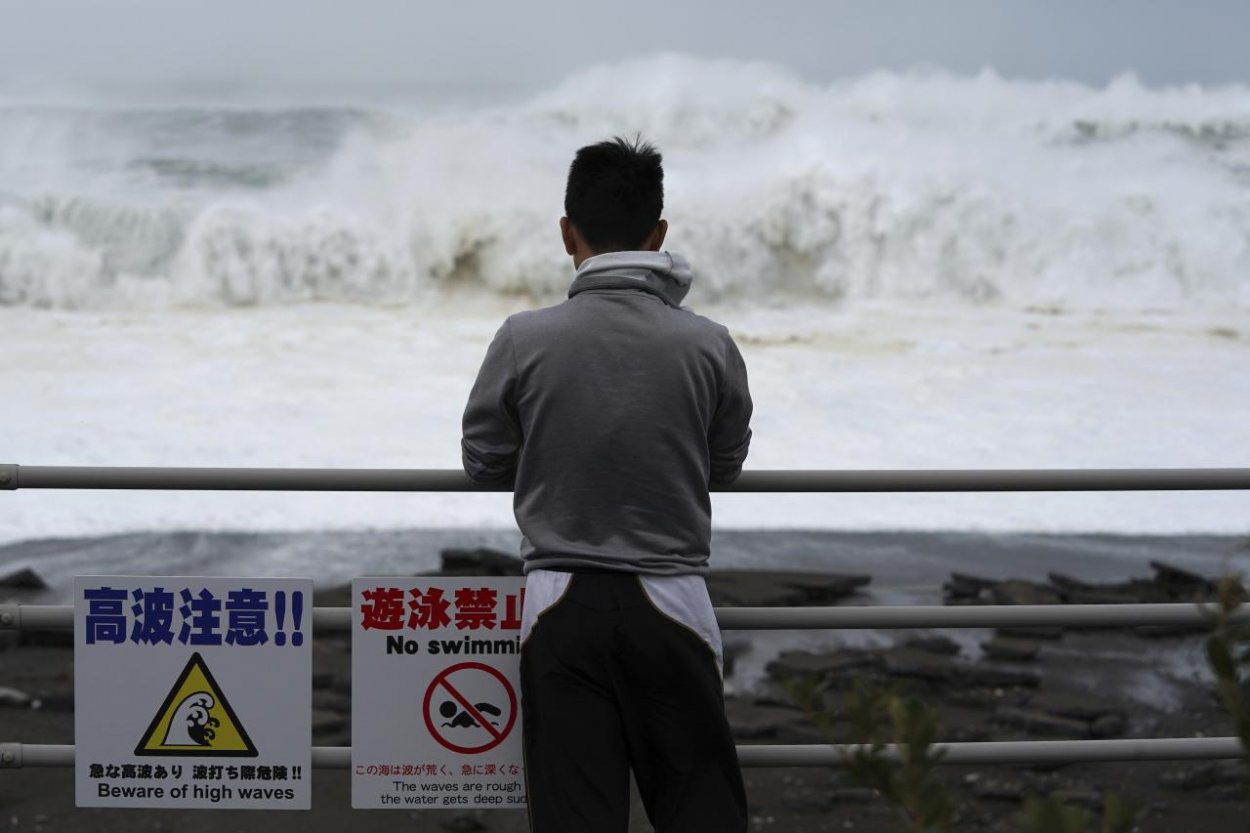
(609, 682)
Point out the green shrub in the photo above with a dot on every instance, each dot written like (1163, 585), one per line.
(1051, 815)
(875, 714)
(1228, 651)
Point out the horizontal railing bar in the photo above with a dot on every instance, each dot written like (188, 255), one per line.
(1013, 751)
(452, 480)
(36, 617)
(18, 755)
(248, 479)
(338, 619)
(971, 616)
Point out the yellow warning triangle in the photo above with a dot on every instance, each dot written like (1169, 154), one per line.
(196, 720)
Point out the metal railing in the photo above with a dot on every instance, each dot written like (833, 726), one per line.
(44, 617)
(446, 480)
(332, 619)
(18, 755)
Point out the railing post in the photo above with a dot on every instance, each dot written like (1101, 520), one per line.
(8, 475)
(10, 756)
(10, 617)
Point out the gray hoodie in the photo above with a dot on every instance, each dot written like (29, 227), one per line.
(609, 415)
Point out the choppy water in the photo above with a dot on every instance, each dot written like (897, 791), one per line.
(923, 271)
(892, 187)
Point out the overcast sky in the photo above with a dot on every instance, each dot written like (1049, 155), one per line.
(533, 43)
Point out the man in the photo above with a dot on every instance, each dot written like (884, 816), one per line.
(610, 415)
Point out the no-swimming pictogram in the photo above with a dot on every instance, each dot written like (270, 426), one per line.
(469, 707)
(196, 720)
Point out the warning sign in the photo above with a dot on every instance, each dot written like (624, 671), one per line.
(435, 707)
(193, 693)
(196, 717)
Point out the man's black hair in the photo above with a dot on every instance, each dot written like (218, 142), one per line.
(615, 193)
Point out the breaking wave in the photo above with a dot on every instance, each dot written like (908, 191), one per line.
(893, 187)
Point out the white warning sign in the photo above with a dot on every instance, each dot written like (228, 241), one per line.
(436, 706)
(193, 692)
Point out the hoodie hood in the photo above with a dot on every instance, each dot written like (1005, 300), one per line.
(661, 273)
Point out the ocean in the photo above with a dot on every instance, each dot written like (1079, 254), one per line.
(923, 270)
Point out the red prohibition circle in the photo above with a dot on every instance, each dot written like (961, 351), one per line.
(441, 679)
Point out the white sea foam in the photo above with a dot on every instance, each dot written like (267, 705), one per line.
(890, 187)
(923, 270)
(328, 385)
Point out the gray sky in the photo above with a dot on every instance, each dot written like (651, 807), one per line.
(533, 43)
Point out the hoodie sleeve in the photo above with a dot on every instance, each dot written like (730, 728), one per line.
(729, 436)
(491, 429)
